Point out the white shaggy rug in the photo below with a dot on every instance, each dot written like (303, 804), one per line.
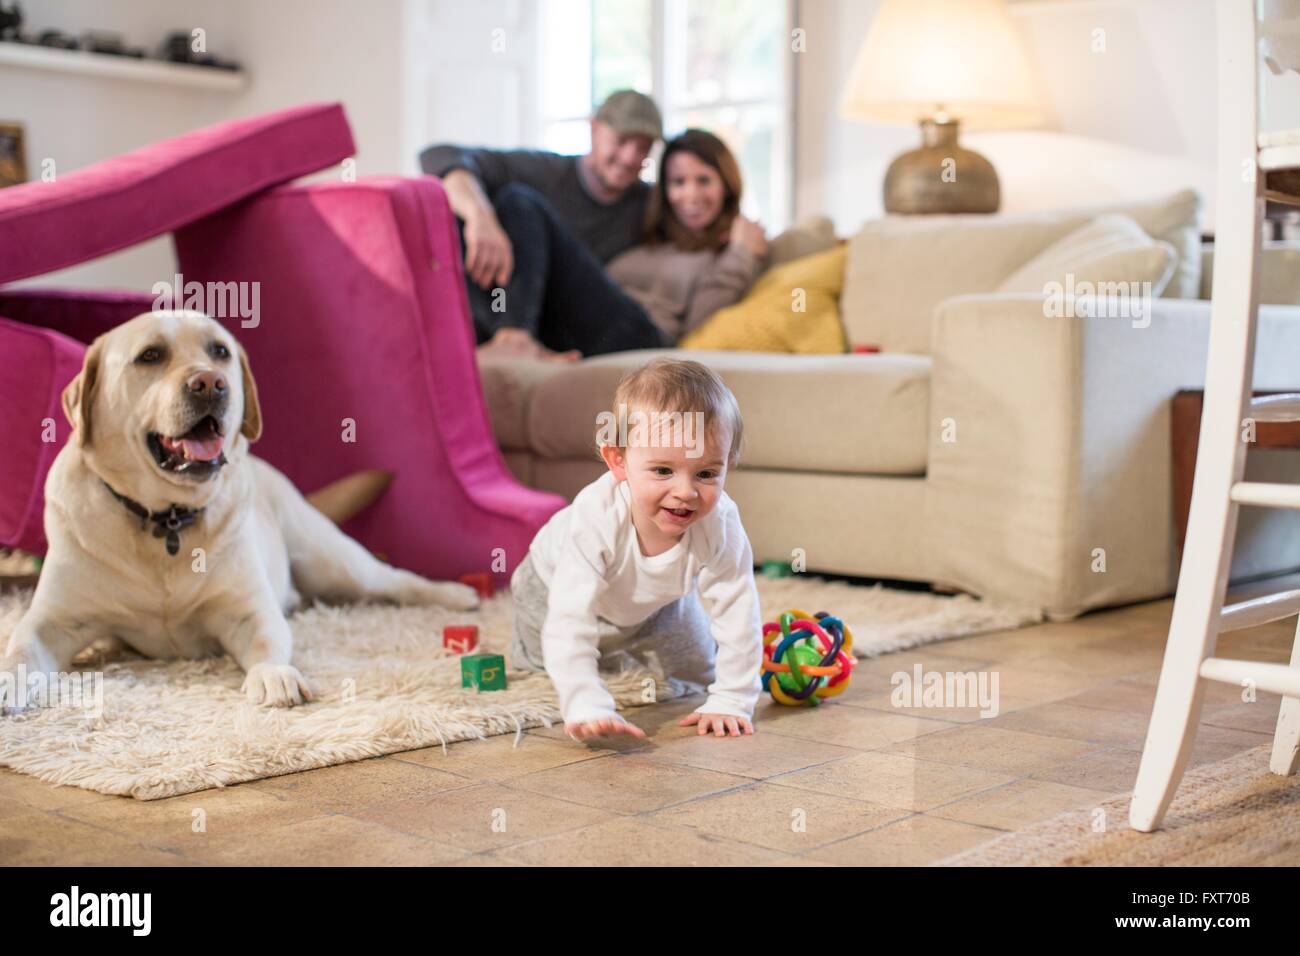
(384, 684)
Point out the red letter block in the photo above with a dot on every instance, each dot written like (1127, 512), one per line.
(460, 640)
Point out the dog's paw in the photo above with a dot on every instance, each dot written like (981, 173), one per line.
(449, 594)
(276, 685)
(17, 692)
(458, 597)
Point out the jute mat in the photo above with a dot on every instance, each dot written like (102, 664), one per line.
(1234, 812)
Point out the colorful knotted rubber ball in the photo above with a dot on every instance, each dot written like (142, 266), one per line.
(806, 657)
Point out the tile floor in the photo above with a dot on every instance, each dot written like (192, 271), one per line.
(855, 781)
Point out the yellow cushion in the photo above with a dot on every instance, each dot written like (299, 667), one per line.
(766, 320)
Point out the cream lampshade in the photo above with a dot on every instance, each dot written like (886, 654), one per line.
(942, 63)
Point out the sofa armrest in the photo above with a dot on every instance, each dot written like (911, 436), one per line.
(1058, 444)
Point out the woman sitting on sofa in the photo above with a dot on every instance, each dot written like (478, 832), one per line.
(700, 254)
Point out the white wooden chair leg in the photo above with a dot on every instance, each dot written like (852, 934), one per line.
(1168, 745)
(1220, 463)
(1193, 632)
(1286, 742)
(1202, 580)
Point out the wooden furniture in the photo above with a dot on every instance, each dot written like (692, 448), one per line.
(1218, 488)
(1185, 437)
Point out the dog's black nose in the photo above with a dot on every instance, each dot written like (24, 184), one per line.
(206, 385)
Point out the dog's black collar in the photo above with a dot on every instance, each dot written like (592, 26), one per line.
(166, 523)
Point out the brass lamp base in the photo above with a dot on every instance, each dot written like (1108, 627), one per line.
(941, 177)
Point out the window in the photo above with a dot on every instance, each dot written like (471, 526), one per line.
(722, 65)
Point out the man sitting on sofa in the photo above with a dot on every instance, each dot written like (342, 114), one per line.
(538, 227)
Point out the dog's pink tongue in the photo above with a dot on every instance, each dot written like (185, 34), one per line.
(201, 449)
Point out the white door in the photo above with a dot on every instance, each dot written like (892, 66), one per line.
(471, 73)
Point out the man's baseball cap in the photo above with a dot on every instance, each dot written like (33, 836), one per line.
(631, 114)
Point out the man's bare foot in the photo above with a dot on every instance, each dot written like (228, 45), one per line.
(511, 343)
(517, 343)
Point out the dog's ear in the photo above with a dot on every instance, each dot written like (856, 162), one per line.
(251, 427)
(79, 395)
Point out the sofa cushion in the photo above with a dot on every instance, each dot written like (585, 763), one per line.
(765, 320)
(121, 201)
(900, 267)
(805, 238)
(1110, 249)
(856, 414)
(508, 388)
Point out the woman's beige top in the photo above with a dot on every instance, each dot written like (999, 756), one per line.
(681, 289)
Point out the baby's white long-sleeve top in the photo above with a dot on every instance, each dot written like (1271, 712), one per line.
(590, 559)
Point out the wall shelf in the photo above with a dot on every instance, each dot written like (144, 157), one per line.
(120, 67)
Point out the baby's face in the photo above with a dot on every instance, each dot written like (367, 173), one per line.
(670, 489)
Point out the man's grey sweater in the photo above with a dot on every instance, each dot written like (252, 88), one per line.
(605, 228)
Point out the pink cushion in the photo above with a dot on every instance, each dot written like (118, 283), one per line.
(38, 363)
(133, 197)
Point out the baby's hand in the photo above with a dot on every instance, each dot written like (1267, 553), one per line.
(602, 727)
(722, 725)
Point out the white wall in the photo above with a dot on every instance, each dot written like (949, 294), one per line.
(472, 73)
(1135, 119)
(303, 51)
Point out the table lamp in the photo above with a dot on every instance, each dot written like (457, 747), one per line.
(942, 63)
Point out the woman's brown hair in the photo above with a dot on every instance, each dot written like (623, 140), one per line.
(662, 225)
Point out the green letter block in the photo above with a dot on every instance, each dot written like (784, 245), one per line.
(484, 671)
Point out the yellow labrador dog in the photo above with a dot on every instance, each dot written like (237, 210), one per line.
(166, 533)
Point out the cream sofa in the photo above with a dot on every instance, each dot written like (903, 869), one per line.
(1011, 455)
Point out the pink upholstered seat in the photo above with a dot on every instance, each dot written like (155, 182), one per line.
(362, 317)
(87, 213)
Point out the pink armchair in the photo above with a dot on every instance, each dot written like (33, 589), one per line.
(362, 345)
